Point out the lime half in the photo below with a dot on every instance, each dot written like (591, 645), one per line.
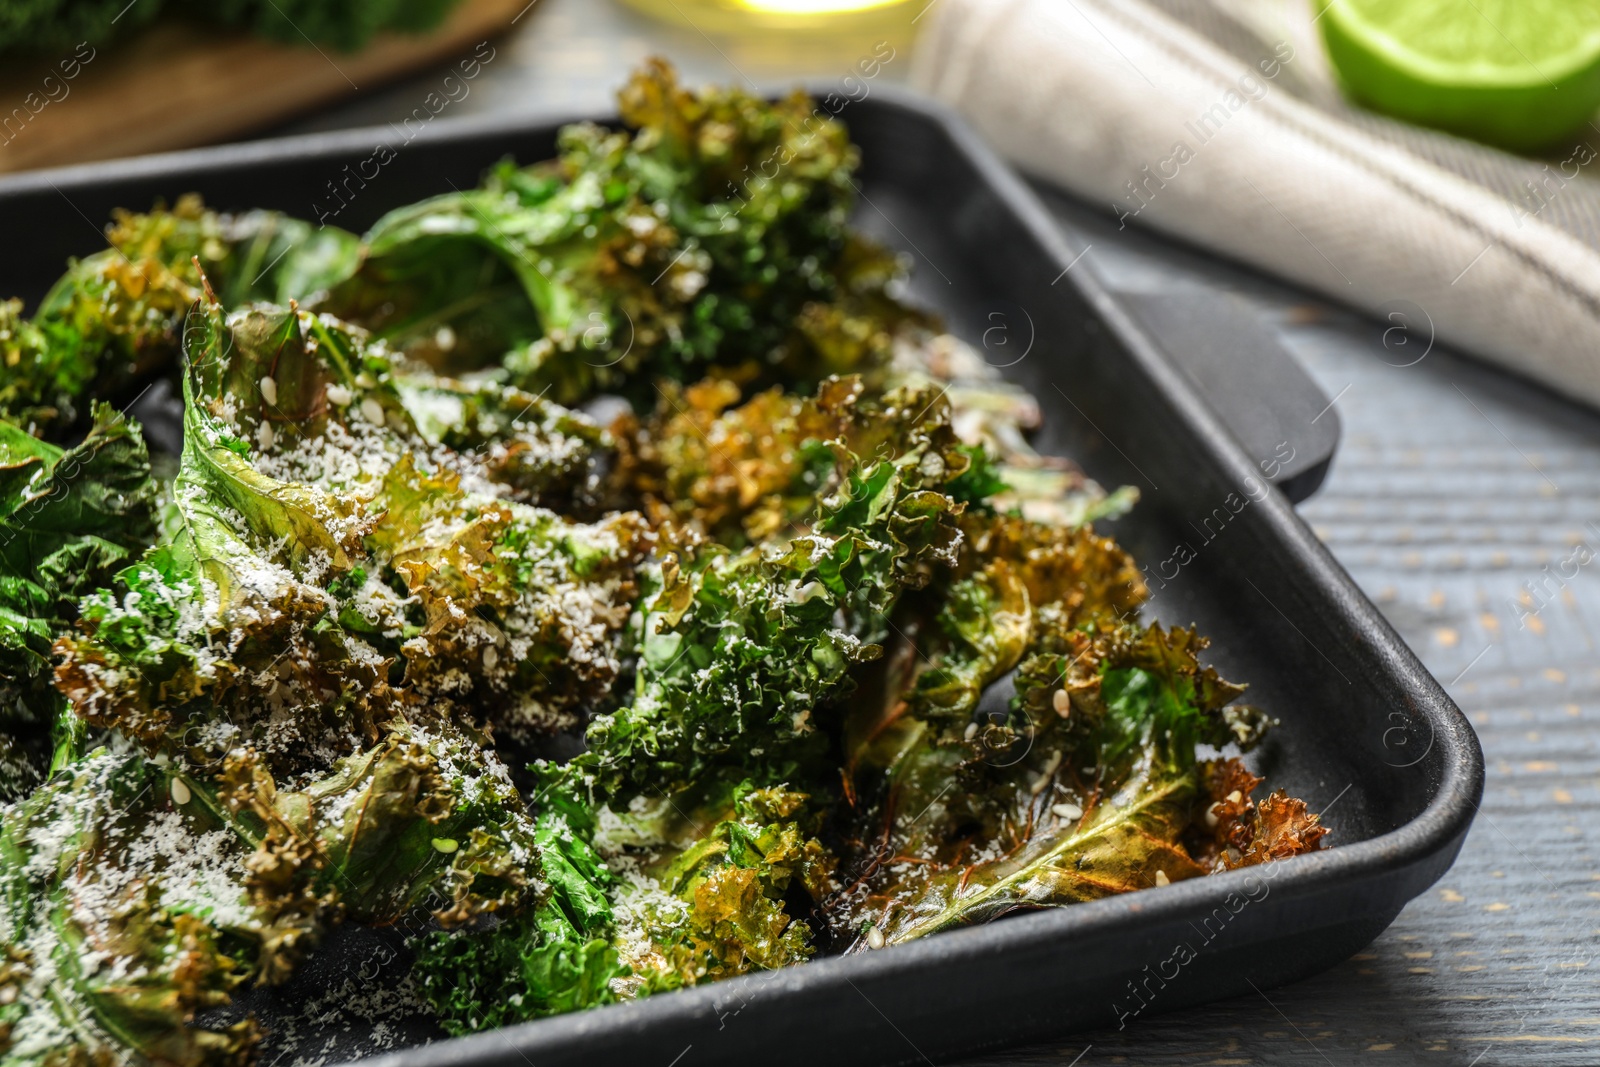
(1521, 74)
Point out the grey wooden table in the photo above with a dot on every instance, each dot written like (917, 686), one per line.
(1454, 487)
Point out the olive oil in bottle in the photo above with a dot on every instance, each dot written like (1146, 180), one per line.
(725, 16)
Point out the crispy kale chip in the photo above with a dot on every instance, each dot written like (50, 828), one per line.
(1019, 585)
(553, 957)
(712, 899)
(749, 473)
(1089, 789)
(314, 646)
(123, 917)
(426, 818)
(138, 895)
(69, 520)
(541, 452)
(739, 650)
(1234, 831)
(331, 568)
(734, 474)
(116, 317)
(699, 239)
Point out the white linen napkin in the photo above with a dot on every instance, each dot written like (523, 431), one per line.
(1219, 121)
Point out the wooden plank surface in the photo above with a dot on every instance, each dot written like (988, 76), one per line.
(176, 86)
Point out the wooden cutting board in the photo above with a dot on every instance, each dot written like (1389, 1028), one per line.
(176, 85)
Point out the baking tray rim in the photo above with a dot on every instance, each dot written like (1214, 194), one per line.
(1439, 827)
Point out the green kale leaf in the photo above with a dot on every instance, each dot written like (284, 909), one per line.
(331, 567)
(123, 917)
(69, 521)
(1089, 790)
(700, 239)
(116, 317)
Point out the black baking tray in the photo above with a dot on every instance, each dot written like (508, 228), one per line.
(1367, 735)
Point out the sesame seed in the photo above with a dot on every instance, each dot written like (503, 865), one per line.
(1162, 879)
(874, 937)
(1046, 774)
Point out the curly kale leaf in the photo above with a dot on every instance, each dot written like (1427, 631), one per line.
(1126, 837)
(918, 755)
(1018, 584)
(980, 481)
(245, 629)
(735, 474)
(702, 468)
(312, 644)
(694, 905)
(423, 817)
(1089, 791)
(330, 567)
(443, 300)
(738, 655)
(762, 189)
(741, 655)
(122, 919)
(137, 894)
(69, 521)
(533, 964)
(426, 818)
(717, 904)
(1234, 831)
(116, 317)
(740, 650)
(546, 455)
(556, 956)
(202, 623)
(69, 518)
(583, 308)
(699, 239)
